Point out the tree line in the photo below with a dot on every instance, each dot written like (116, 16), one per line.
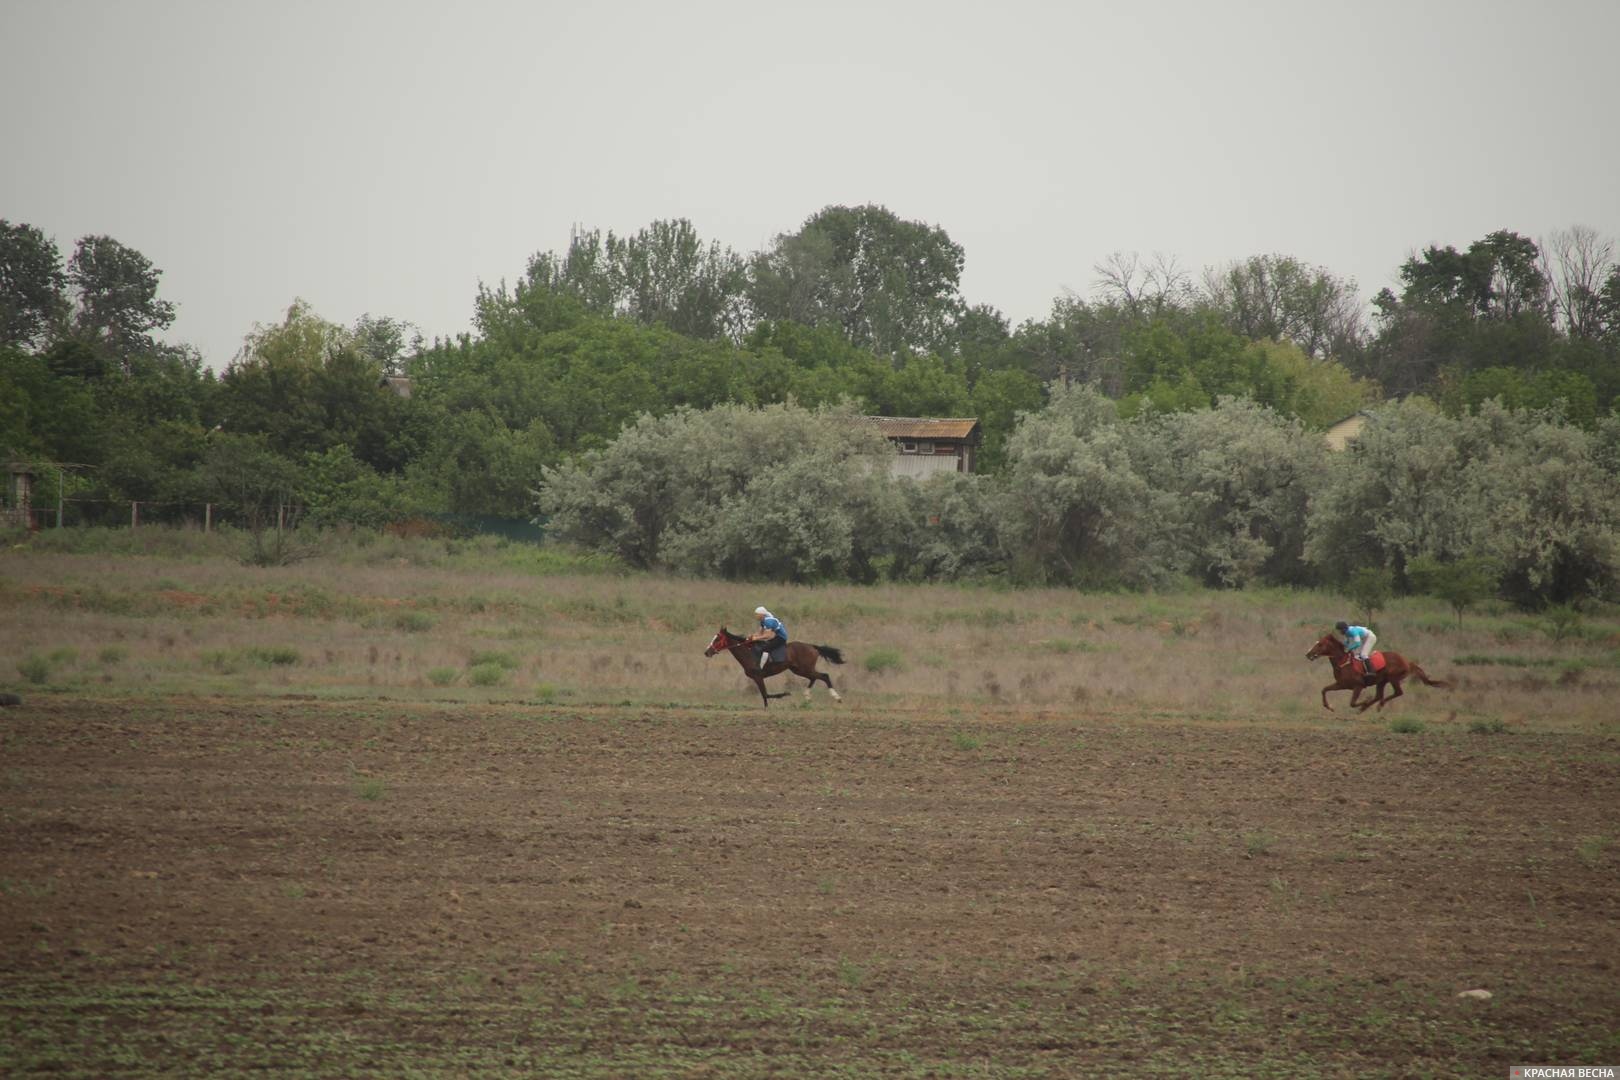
(856, 306)
(1234, 495)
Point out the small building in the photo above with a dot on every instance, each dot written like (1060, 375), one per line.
(927, 445)
(1341, 433)
(19, 496)
(399, 384)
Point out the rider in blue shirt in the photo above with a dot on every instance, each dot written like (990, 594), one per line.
(1359, 642)
(771, 636)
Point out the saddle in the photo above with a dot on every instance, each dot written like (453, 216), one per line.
(778, 655)
(1375, 664)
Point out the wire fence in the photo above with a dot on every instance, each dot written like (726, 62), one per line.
(82, 512)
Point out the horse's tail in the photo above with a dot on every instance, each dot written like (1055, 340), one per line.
(1424, 675)
(833, 655)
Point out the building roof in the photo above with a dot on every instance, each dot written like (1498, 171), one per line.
(925, 427)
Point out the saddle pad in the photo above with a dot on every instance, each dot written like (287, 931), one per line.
(779, 655)
(1378, 661)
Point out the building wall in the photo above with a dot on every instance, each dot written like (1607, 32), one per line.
(1341, 434)
(924, 464)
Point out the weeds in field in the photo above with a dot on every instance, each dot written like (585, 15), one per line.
(35, 668)
(1590, 850)
(442, 676)
(825, 886)
(1258, 843)
(879, 661)
(500, 659)
(850, 973)
(963, 741)
(486, 675)
(413, 622)
(293, 891)
(545, 693)
(1407, 725)
(1562, 621)
(272, 656)
(63, 657)
(111, 655)
(370, 788)
(1491, 726)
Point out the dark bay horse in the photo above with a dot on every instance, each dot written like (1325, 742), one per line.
(1347, 675)
(801, 661)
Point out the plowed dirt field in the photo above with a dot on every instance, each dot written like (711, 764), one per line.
(200, 886)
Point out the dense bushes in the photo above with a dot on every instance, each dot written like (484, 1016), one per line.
(1232, 495)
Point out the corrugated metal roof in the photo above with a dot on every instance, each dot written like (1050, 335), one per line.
(925, 427)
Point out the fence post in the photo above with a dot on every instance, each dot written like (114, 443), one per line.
(134, 514)
(208, 517)
(59, 498)
(281, 515)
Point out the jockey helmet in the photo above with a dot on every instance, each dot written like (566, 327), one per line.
(1342, 627)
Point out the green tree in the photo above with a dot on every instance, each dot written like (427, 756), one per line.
(1369, 589)
(664, 275)
(890, 285)
(1462, 583)
(1077, 510)
(33, 287)
(116, 306)
(1277, 297)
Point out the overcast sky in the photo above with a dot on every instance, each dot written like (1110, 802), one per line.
(386, 157)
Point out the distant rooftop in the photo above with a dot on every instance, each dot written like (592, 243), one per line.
(925, 427)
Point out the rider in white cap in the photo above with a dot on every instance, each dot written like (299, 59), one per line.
(771, 635)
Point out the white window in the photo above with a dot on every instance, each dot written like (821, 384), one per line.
(907, 447)
(925, 448)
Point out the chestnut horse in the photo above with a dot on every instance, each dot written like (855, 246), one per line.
(801, 660)
(1347, 674)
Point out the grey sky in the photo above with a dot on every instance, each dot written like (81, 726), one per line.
(385, 157)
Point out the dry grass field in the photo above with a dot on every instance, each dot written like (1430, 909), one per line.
(417, 808)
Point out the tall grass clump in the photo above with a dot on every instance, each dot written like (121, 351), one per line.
(880, 660)
(35, 668)
(486, 675)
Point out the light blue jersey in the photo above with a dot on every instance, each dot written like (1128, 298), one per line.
(1354, 636)
(773, 623)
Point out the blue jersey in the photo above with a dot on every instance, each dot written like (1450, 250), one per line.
(1354, 636)
(773, 623)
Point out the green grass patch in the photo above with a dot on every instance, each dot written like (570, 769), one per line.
(442, 676)
(111, 655)
(963, 741)
(272, 655)
(880, 660)
(413, 622)
(1407, 725)
(500, 659)
(1490, 726)
(35, 668)
(370, 788)
(486, 675)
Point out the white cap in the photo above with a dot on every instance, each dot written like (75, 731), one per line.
(760, 611)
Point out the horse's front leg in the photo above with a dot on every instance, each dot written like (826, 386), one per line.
(1378, 700)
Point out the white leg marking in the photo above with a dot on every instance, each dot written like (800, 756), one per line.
(836, 695)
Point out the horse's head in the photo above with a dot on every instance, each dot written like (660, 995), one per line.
(722, 641)
(1328, 646)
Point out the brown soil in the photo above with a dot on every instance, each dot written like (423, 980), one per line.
(202, 886)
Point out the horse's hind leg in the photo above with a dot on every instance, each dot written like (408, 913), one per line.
(824, 677)
(1378, 700)
(1396, 683)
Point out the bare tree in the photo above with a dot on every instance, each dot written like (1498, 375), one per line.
(1577, 262)
(1145, 289)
